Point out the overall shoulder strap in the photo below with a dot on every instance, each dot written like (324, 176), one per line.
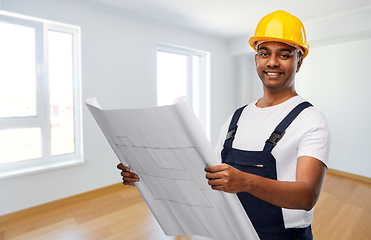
(282, 126)
(233, 126)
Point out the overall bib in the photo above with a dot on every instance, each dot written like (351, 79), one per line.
(266, 218)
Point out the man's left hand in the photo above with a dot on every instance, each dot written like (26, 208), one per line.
(225, 178)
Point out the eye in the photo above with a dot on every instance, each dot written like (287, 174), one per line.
(263, 54)
(285, 56)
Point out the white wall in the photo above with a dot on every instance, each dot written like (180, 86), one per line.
(335, 78)
(249, 87)
(119, 69)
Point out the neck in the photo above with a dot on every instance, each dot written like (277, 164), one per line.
(270, 99)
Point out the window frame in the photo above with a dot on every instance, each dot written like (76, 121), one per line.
(203, 82)
(42, 120)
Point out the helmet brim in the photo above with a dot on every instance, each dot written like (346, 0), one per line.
(254, 40)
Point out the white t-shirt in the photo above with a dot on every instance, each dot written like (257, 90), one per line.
(307, 135)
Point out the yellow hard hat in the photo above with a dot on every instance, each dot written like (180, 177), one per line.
(281, 26)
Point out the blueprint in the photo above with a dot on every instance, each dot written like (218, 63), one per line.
(167, 147)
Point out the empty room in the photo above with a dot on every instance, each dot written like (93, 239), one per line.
(163, 120)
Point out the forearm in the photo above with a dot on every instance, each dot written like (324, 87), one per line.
(301, 194)
(291, 195)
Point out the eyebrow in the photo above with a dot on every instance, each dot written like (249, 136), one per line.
(280, 49)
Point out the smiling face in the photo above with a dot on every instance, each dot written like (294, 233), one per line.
(276, 65)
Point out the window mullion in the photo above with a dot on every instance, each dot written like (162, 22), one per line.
(201, 89)
(190, 79)
(45, 102)
(77, 92)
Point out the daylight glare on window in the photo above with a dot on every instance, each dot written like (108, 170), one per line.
(171, 77)
(195, 84)
(17, 71)
(21, 144)
(183, 72)
(61, 92)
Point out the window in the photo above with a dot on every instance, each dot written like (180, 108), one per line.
(39, 96)
(184, 72)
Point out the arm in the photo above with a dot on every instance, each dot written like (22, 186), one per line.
(128, 177)
(301, 194)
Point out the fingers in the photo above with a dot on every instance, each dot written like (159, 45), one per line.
(215, 182)
(122, 167)
(218, 184)
(128, 177)
(216, 175)
(223, 177)
(216, 171)
(129, 181)
(212, 172)
(216, 168)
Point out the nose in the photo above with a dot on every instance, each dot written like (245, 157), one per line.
(273, 61)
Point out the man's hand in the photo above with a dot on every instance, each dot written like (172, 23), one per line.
(225, 178)
(128, 177)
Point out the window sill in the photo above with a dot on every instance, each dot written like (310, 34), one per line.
(21, 171)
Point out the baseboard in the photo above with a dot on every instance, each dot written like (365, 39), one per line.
(61, 202)
(349, 175)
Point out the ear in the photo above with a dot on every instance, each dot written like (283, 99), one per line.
(256, 63)
(300, 61)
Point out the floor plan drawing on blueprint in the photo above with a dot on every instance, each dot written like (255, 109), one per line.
(167, 147)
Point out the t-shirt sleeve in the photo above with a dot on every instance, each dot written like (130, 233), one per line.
(220, 143)
(316, 140)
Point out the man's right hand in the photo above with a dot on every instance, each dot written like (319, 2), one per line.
(128, 177)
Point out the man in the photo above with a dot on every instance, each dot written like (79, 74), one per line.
(276, 150)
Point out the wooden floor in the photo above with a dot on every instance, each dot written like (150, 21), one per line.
(118, 212)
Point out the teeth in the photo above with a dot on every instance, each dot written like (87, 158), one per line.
(272, 73)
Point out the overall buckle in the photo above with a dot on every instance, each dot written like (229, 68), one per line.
(275, 137)
(231, 134)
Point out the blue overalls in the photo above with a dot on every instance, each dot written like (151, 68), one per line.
(266, 218)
